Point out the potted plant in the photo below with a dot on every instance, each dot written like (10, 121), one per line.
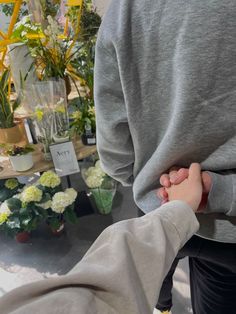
(21, 214)
(83, 122)
(101, 186)
(11, 129)
(8, 188)
(59, 204)
(20, 157)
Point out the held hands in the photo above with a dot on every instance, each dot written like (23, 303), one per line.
(189, 185)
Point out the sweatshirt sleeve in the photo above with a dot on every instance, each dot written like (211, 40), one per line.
(114, 142)
(121, 273)
(222, 197)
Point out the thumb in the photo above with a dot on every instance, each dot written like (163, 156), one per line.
(195, 173)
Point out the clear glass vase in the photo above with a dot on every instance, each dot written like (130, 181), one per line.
(103, 197)
(46, 102)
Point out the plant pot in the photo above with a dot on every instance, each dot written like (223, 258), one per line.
(88, 140)
(22, 162)
(103, 199)
(22, 237)
(14, 135)
(59, 231)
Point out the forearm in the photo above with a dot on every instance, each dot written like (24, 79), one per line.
(222, 196)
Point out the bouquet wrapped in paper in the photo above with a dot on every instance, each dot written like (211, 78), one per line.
(46, 102)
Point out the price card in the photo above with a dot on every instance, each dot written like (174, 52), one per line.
(64, 159)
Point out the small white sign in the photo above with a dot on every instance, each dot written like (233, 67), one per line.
(64, 159)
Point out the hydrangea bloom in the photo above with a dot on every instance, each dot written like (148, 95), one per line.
(94, 176)
(11, 184)
(61, 200)
(31, 194)
(49, 179)
(45, 205)
(4, 209)
(72, 193)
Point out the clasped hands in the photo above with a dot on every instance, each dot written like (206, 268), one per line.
(187, 184)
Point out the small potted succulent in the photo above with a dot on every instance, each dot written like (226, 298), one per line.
(20, 157)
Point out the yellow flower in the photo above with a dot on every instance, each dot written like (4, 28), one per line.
(60, 109)
(11, 184)
(77, 115)
(39, 114)
(91, 111)
(49, 179)
(31, 194)
(3, 218)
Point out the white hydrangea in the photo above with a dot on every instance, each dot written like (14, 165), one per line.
(94, 176)
(72, 193)
(4, 209)
(60, 201)
(46, 205)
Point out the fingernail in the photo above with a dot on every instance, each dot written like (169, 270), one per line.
(173, 177)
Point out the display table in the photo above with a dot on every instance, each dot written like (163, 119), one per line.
(40, 164)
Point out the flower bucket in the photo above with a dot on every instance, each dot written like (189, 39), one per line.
(103, 199)
(22, 162)
(22, 237)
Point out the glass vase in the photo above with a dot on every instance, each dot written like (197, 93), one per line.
(46, 102)
(103, 198)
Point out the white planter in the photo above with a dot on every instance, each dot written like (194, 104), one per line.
(22, 163)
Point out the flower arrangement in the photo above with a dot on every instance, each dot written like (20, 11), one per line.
(15, 150)
(44, 201)
(101, 186)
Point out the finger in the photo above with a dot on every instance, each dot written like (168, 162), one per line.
(165, 180)
(161, 193)
(207, 182)
(173, 176)
(181, 175)
(195, 173)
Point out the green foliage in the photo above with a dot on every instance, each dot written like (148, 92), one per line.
(7, 9)
(82, 117)
(14, 150)
(7, 108)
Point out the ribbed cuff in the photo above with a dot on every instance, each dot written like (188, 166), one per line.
(220, 198)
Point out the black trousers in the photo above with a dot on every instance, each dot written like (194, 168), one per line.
(212, 277)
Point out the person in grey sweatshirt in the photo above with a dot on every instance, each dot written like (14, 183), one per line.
(165, 93)
(123, 270)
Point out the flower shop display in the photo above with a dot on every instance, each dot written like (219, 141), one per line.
(46, 103)
(101, 186)
(44, 201)
(20, 157)
(11, 129)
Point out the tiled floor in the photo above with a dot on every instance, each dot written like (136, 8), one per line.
(46, 255)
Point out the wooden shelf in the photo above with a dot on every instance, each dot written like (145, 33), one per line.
(40, 164)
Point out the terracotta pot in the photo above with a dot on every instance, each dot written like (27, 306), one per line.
(14, 135)
(22, 237)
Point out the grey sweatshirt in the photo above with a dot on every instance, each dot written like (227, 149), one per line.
(122, 272)
(165, 95)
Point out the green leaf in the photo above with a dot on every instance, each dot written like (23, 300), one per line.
(70, 215)
(14, 204)
(5, 194)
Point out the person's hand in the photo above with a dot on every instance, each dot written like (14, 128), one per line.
(178, 175)
(190, 189)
